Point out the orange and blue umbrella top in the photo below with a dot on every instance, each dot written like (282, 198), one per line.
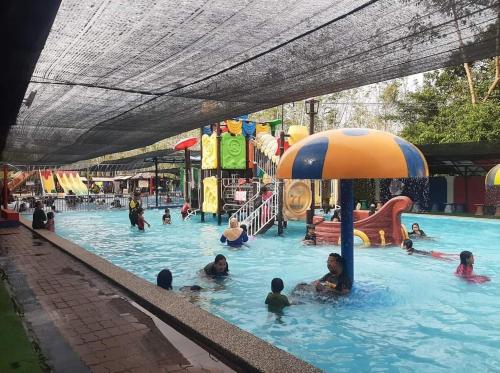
(493, 177)
(352, 153)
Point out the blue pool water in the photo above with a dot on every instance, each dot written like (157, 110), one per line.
(405, 313)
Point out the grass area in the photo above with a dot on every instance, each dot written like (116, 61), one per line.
(16, 352)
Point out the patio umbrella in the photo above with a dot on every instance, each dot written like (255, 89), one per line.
(185, 144)
(351, 153)
(493, 177)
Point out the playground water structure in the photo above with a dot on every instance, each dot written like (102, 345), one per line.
(405, 313)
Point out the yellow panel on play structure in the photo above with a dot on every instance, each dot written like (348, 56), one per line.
(262, 128)
(297, 199)
(234, 126)
(210, 194)
(297, 133)
(209, 153)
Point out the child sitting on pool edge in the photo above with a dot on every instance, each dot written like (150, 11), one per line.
(310, 238)
(275, 300)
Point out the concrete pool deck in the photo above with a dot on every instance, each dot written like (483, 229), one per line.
(107, 319)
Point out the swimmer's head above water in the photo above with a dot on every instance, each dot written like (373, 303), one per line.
(407, 245)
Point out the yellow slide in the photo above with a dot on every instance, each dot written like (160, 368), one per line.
(82, 186)
(79, 187)
(47, 179)
(63, 182)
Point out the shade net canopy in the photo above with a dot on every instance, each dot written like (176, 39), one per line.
(120, 75)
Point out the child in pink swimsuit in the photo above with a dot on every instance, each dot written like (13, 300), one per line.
(466, 267)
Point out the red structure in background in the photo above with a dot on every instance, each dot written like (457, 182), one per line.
(470, 193)
(387, 219)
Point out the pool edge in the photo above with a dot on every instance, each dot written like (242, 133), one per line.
(237, 348)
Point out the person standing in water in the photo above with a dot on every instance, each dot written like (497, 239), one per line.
(235, 236)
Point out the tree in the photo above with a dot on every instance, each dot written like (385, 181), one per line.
(441, 110)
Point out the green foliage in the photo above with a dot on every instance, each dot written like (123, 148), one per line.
(441, 110)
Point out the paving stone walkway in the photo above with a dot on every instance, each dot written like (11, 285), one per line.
(81, 320)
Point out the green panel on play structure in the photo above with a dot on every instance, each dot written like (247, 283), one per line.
(232, 152)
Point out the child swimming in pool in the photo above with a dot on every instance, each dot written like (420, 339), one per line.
(275, 300)
(466, 267)
(166, 217)
(408, 246)
(310, 238)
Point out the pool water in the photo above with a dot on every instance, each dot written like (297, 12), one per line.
(405, 313)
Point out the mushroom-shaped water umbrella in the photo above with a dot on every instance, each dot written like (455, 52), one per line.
(185, 144)
(493, 177)
(492, 184)
(351, 153)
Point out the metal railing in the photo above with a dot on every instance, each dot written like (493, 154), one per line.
(264, 163)
(261, 216)
(91, 202)
(257, 217)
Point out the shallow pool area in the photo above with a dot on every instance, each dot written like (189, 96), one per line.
(405, 313)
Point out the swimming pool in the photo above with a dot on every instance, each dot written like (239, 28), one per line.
(405, 313)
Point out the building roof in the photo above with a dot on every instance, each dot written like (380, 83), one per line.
(471, 158)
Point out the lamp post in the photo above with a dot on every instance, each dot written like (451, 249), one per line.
(312, 107)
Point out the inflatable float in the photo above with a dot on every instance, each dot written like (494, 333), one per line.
(380, 229)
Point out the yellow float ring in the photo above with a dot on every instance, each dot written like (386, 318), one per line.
(404, 232)
(363, 236)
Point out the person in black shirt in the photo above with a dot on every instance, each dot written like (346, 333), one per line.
(218, 267)
(39, 217)
(416, 232)
(310, 238)
(336, 280)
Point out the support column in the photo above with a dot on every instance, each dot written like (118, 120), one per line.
(219, 177)
(280, 186)
(156, 180)
(187, 165)
(247, 158)
(347, 226)
(202, 189)
(310, 213)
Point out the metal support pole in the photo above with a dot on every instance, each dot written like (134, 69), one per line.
(347, 226)
(156, 180)
(310, 213)
(280, 187)
(247, 158)
(186, 176)
(202, 189)
(219, 176)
